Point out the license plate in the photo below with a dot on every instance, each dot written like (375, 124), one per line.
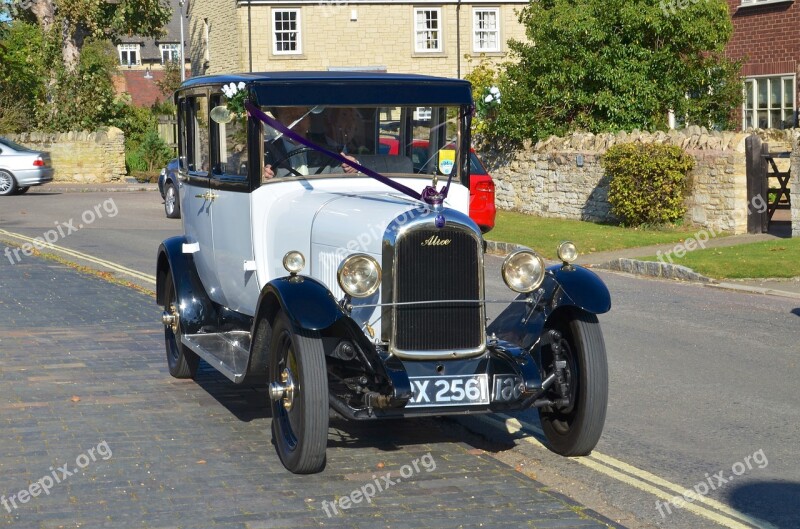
(457, 390)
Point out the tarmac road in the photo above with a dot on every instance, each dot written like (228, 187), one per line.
(703, 381)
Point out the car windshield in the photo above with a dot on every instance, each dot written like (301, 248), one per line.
(15, 146)
(389, 140)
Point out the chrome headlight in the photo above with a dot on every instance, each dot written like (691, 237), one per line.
(567, 252)
(359, 275)
(523, 271)
(294, 262)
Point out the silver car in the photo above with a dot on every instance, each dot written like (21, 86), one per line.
(21, 168)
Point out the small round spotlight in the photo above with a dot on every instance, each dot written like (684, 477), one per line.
(523, 271)
(294, 262)
(567, 252)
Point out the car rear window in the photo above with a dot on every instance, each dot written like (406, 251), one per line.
(15, 146)
(475, 165)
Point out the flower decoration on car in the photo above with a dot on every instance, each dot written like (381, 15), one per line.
(236, 96)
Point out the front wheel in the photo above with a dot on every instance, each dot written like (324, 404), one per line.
(299, 397)
(172, 205)
(575, 429)
(8, 186)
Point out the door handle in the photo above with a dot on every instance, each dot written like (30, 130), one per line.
(208, 195)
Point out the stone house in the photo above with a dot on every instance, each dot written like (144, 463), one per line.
(767, 39)
(445, 38)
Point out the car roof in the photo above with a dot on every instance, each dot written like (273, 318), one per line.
(345, 88)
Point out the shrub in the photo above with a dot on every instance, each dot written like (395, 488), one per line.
(152, 151)
(648, 182)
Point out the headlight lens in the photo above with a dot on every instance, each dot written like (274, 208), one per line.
(523, 271)
(359, 275)
(293, 262)
(567, 252)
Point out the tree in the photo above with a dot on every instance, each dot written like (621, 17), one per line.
(75, 20)
(607, 65)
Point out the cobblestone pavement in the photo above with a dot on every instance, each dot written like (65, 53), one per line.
(89, 411)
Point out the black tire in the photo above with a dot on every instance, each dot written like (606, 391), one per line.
(300, 433)
(23, 190)
(181, 360)
(172, 203)
(576, 429)
(8, 186)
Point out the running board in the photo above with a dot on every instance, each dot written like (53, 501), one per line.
(227, 352)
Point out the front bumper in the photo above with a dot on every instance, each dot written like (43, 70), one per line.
(33, 177)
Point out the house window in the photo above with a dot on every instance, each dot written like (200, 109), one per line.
(746, 3)
(170, 53)
(129, 54)
(486, 29)
(428, 30)
(286, 26)
(769, 102)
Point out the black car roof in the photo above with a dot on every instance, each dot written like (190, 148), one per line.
(345, 88)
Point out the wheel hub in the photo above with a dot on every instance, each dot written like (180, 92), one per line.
(170, 318)
(283, 390)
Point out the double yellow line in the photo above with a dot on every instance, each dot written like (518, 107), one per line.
(710, 509)
(80, 255)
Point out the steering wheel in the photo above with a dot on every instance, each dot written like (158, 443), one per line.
(300, 150)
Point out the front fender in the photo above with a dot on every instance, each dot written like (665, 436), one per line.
(194, 306)
(522, 323)
(307, 302)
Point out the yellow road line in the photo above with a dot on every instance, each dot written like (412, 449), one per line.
(80, 255)
(641, 479)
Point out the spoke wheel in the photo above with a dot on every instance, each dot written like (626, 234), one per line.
(299, 397)
(172, 206)
(181, 360)
(7, 183)
(574, 430)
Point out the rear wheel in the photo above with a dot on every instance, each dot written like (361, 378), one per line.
(8, 185)
(575, 429)
(172, 206)
(181, 360)
(299, 397)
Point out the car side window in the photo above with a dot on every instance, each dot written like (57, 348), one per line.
(197, 150)
(230, 158)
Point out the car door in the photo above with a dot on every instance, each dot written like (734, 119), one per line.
(196, 196)
(231, 218)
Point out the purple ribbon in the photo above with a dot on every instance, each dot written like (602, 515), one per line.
(429, 194)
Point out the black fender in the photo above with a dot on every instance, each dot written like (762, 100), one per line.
(307, 302)
(523, 322)
(196, 309)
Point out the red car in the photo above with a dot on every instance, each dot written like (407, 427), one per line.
(481, 186)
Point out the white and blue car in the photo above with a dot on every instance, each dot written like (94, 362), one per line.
(353, 279)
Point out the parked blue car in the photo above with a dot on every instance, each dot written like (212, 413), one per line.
(168, 187)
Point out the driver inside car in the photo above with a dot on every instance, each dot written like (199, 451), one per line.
(284, 157)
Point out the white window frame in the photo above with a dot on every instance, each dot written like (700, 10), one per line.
(127, 48)
(174, 51)
(479, 32)
(426, 32)
(298, 32)
(751, 83)
(750, 3)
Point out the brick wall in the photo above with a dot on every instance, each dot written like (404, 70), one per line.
(86, 157)
(766, 38)
(564, 178)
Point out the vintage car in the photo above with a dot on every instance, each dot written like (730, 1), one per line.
(353, 280)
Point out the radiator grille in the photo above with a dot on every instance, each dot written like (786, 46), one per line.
(428, 270)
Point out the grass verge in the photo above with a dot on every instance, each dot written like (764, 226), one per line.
(779, 258)
(544, 234)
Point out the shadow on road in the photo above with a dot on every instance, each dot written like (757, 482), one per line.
(771, 501)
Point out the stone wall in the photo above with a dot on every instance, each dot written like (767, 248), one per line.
(563, 177)
(85, 157)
